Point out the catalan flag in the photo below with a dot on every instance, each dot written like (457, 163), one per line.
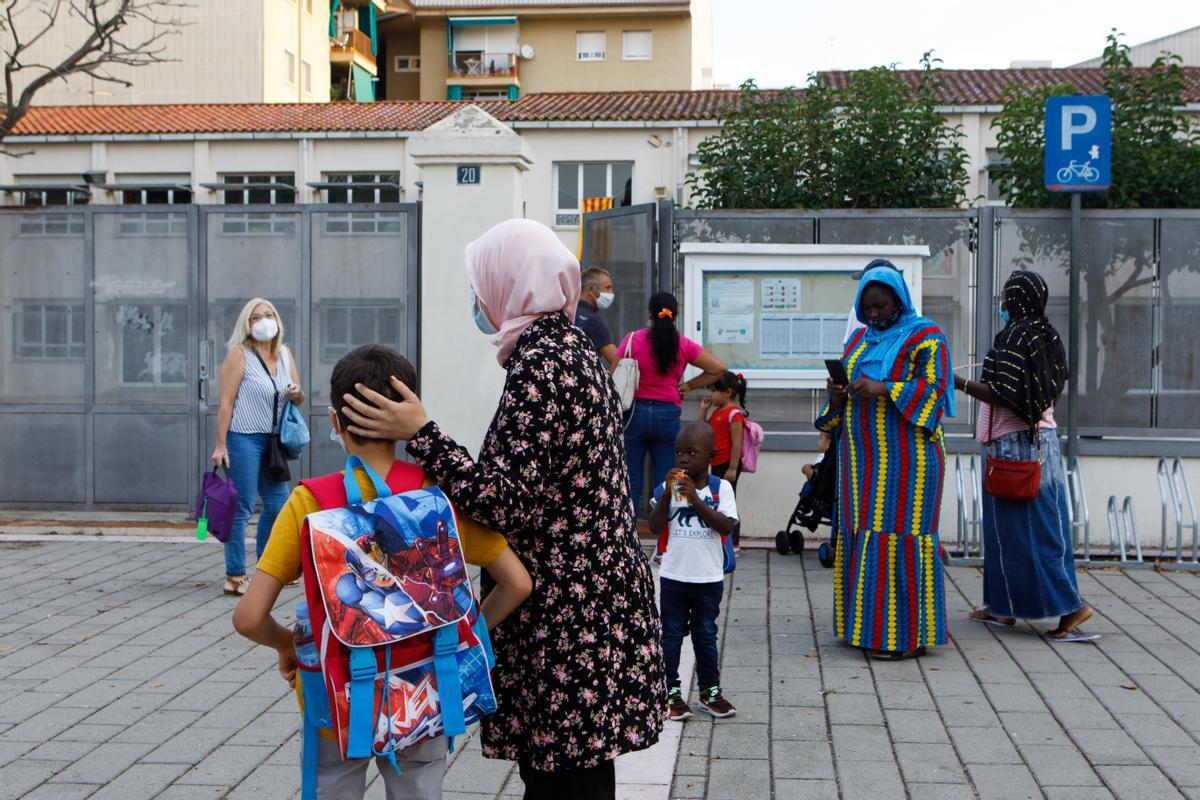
(589, 205)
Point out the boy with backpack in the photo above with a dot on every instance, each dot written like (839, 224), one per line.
(418, 770)
(697, 512)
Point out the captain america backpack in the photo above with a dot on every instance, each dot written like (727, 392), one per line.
(394, 650)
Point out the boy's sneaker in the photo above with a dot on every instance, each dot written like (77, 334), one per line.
(714, 703)
(677, 707)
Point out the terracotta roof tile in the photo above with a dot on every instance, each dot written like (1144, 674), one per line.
(959, 87)
(232, 118)
(986, 86)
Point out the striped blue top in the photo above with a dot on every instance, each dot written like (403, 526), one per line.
(256, 393)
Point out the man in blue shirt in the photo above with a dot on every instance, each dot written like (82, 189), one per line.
(596, 294)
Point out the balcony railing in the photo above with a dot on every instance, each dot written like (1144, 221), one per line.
(355, 43)
(477, 64)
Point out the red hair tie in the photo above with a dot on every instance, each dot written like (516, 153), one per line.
(666, 314)
(739, 376)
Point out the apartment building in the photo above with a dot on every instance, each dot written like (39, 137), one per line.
(314, 51)
(486, 50)
(231, 51)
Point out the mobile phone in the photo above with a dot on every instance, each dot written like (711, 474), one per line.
(837, 371)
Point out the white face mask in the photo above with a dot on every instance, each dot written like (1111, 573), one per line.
(264, 330)
(333, 434)
(605, 300)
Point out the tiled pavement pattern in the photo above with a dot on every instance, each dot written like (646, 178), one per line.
(120, 678)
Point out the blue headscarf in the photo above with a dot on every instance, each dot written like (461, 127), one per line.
(877, 362)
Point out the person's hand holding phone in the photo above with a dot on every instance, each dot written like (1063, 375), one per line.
(837, 382)
(837, 393)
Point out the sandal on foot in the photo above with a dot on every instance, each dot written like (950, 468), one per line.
(988, 618)
(1059, 636)
(891, 655)
(235, 586)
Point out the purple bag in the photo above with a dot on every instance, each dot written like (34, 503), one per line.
(217, 503)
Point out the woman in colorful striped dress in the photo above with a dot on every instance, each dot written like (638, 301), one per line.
(888, 592)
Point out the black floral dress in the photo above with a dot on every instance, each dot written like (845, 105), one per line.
(579, 673)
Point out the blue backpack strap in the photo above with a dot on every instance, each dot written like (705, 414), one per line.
(485, 639)
(730, 557)
(445, 668)
(353, 493)
(362, 702)
(316, 716)
(308, 761)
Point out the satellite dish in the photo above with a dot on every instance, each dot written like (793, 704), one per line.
(527, 51)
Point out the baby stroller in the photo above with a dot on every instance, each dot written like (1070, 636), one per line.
(814, 508)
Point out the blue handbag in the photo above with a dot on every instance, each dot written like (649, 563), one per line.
(293, 432)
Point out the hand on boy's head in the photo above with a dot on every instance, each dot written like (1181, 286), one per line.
(378, 417)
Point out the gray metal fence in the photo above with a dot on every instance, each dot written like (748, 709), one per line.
(1140, 371)
(114, 321)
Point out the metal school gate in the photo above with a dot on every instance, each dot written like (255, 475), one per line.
(114, 323)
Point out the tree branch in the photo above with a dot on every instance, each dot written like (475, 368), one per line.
(108, 42)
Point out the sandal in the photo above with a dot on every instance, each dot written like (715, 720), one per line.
(891, 655)
(235, 585)
(1059, 636)
(988, 618)
(1068, 627)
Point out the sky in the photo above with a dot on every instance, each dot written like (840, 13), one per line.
(779, 42)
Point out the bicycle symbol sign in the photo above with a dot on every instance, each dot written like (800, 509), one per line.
(1078, 143)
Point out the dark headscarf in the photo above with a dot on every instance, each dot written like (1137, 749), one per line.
(1026, 368)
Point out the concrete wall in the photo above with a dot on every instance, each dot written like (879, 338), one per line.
(434, 64)
(216, 57)
(655, 168)
(401, 85)
(226, 51)
(555, 68)
(288, 26)
(702, 44)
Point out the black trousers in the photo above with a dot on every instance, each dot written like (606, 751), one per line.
(590, 783)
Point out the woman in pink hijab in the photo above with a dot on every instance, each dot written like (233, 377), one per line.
(579, 671)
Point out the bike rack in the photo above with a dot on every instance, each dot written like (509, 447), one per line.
(970, 509)
(1122, 526)
(1078, 515)
(1173, 487)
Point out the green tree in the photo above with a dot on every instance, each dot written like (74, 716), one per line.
(1155, 164)
(879, 142)
(1155, 147)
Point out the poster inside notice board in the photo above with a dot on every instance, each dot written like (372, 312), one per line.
(776, 320)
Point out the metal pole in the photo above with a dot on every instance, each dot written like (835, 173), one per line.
(1073, 343)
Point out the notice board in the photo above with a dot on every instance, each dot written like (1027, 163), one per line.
(776, 312)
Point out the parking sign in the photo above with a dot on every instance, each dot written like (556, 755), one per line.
(1078, 154)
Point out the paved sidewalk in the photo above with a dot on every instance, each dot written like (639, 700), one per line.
(121, 678)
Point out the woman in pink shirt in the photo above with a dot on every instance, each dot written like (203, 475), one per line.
(662, 355)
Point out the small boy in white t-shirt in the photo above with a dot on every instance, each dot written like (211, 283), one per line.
(692, 576)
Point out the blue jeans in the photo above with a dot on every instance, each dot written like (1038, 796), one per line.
(691, 608)
(652, 429)
(248, 468)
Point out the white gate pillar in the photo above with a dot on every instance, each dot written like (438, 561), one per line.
(460, 379)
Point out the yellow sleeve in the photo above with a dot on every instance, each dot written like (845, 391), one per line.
(480, 545)
(281, 558)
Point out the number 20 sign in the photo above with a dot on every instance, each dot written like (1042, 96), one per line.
(468, 174)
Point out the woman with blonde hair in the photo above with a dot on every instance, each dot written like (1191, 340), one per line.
(258, 374)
